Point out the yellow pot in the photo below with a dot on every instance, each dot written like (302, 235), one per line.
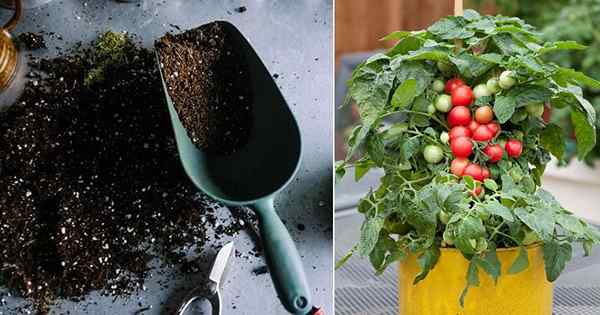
(524, 293)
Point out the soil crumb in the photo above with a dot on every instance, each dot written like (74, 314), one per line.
(208, 79)
(92, 187)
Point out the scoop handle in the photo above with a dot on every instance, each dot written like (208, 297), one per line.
(283, 260)
(12, 23)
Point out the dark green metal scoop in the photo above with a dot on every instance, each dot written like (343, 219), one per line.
(256, 173)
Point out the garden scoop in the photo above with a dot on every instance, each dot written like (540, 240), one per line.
(254, 174)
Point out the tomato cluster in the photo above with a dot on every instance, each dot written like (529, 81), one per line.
(469, 126)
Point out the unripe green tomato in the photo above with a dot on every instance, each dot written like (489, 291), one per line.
(431, 109)
(519, 116)
(506, 80)
(473, 243)
(482, 245)
(444, 67)
(481, 90)
(393, 225)
(444, 137)
(448, 238)
(530, 238)
(444, 217)
(433, 154)
(492, 85)
(443, 103)
(438, 86)
(535, 110)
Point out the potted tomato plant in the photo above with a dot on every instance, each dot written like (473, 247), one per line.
(453, 115)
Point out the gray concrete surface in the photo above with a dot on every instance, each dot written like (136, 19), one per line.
(294, 39)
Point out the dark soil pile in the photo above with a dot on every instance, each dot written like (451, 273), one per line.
(208, 81)
(32, 41)
(91, 181)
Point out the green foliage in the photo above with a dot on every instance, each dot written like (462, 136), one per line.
(421, 207)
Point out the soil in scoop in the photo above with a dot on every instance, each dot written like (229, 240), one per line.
(208, 80)
(90, 178)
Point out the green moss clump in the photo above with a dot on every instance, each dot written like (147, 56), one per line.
(110, 49)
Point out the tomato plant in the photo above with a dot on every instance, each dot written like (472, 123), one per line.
(460, 189)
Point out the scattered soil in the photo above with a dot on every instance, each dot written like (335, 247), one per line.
(91, 181)
(32, 41)
(208, 80)
(241, 9)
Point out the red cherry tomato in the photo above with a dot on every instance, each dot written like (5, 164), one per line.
(458, 165)
(477, 191)
(473, 126)
(453, 84)
(459, 116)
(482, 133)
(474, 171)
(494, 152)
(459, 131)
(461, 147)
(494, 127)
(485, 172)
(462, 96)
(513, 147)
(484, 114)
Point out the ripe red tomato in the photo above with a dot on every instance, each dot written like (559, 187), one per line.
(513, 147)
(494, 152)
(458, 165)
(484, 114)
(461, 147)
(482, 133)
(475, 171)
(452, 84)
(473, 126)
(462, 96)
(494, 127)
(459, 116)
(459, 131)
(485, 172)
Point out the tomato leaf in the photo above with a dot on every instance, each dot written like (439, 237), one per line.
(553, 140)
(427, 261)
(556, 256)
(472, 280)
(369, 234)
(561, 45)
(520, 263)
(471, 66)
(404, 94)
(584, 132)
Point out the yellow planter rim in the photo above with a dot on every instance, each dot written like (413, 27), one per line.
(503, 249)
